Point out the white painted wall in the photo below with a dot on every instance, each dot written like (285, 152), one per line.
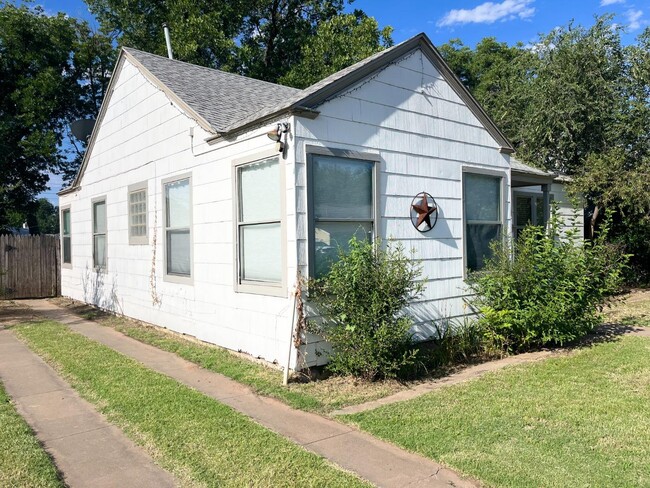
(145, 137)
(572, 214)
(424, 136)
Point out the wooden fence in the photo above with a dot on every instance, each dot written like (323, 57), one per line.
(30, 266)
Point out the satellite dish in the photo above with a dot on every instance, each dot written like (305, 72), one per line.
(82, 128)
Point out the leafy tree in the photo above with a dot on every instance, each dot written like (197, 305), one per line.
(203, 31)
(263, 39)
(42, 89)
(38, 87)
(577, 102)
(339, 42)
(275, 31)
(43, 217)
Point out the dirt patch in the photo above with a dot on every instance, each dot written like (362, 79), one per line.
(13, 312)
(633, 308)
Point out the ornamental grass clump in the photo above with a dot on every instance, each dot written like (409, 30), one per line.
(362, 301)
(546, 288)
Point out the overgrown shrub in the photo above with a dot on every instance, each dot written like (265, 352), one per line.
(544, 289)
(458, 341)
(362, 299)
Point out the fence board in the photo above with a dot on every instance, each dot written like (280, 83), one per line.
(30, 266)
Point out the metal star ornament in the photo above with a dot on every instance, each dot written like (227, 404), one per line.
(424, 212)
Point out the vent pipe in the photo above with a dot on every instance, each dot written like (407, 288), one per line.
(168, 40)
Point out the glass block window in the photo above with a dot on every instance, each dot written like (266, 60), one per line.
(138, 216)
(483, 216)
(342, 207)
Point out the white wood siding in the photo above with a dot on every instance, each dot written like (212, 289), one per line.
(571, 213)
(145, 137)
(424, 136)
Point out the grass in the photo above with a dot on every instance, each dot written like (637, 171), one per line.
(23, 462)
(201, 441)
(580, 420)
(320, 396)
(634, 309)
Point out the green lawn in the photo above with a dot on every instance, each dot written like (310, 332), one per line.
(201, 441)
(318, 396)
(23, 463)
(579, 420)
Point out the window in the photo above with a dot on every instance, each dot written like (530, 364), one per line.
(259, 224)
(138, 214)
(178, 222)
(341, 207)
(483, 216)
(529, 209)
(66, 244)
(99, 234)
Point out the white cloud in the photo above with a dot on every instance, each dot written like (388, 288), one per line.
(634, 19)
(489, 12)
(605, 3)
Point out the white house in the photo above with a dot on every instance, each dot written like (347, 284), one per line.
(187, 215)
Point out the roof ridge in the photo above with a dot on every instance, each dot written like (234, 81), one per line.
(206, 68)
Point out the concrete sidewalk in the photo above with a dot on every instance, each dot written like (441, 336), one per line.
(86, 448)
(379, 462)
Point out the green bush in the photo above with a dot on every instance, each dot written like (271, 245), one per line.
(362, 299)
(545, 289)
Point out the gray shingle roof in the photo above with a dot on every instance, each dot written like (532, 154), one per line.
(230, 102)
(520, 167)
(221, 98)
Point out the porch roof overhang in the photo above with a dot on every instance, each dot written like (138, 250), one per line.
(523, 175)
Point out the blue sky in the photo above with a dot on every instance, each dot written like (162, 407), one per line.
(468, 20)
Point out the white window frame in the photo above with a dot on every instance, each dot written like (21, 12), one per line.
(173, 277)
(94, 202)
(63, 210)
(530, 194)
(136, 188)
(503, 175)
(248, 286)
(312, 151)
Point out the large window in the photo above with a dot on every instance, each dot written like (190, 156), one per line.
(66, 244)
(99, 234)
(259, 223)
(342, 207)
(483, 216)
(138, 214)
(178, 223)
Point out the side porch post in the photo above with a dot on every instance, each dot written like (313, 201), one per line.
(546, 196)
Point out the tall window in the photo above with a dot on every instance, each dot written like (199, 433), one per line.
(342, 206)
(483, 219)
(259, 223)
(138, 214)
(99, 234)
(178, 217)
(66, 243)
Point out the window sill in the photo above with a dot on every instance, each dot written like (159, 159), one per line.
(262, 289)
(178, 279)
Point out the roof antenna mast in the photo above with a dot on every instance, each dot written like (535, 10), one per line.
(168, 40)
